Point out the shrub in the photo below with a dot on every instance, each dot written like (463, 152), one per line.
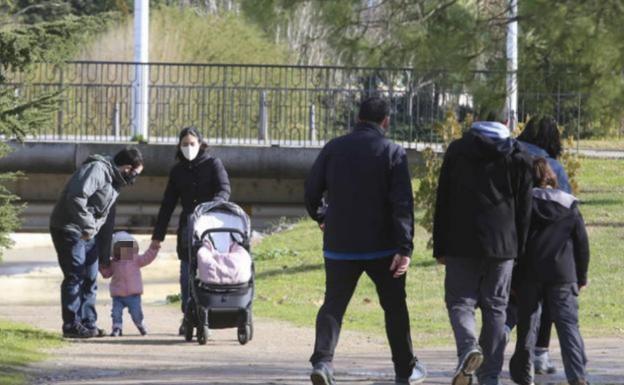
(425, 197)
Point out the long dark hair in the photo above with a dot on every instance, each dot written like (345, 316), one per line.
(203, 146)
(544, 133)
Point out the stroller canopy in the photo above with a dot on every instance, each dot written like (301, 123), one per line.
(221, 215)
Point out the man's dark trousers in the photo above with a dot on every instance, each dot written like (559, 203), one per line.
(78, 260)
(341, 277)
(486, 283)
(563, 306)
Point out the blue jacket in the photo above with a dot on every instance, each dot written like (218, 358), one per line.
(368, 191)
(562, 177)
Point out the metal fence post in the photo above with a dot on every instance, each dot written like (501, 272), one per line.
(263, 124)
(312, 129)
(116, 120)
(60, 111)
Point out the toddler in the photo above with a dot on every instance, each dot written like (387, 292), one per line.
(126, 286)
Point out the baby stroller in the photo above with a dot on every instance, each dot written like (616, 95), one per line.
(221, 272)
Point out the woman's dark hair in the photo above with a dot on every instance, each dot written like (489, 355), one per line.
(374, 109)
(544, 133)
(203, 146)
(129, 156)
(543, 175)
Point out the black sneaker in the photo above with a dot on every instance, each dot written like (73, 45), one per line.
(322, 374)
(116, 332)
(142, 330)
(469, 362)
(182, 329)
(95, 331)
(77, 331)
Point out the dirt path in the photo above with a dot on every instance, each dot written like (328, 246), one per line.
(277, 355)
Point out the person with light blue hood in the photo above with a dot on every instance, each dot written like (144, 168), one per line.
(481, 221)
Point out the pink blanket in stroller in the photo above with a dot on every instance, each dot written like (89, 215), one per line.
(214, 267)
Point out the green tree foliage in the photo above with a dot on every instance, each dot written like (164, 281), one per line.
(180, 34)
(577, 45)
(36, 11)
(565, 48)
(21, 45)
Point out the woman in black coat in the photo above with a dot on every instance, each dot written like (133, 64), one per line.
(197, 177)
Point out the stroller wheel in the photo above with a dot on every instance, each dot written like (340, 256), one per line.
(245, 333)
(202, 334)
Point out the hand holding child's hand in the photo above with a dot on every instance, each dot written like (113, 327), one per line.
(155, 245)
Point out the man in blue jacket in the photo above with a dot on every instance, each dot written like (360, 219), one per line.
(359, 191)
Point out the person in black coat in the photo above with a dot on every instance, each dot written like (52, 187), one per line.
(197, 177)
(481, 221)
(542, 139)
(554, 267)
(368, 225)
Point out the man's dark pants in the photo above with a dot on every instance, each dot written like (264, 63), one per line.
(482, 282)
(78, 260)
(341, 277)
(563, 306)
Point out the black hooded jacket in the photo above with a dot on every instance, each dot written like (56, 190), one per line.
(369, 193)
(483, 203)
(201, 180)
(557, 247)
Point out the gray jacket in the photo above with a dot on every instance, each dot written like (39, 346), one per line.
(88, 196)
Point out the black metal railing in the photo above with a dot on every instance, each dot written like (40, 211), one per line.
(262, 104)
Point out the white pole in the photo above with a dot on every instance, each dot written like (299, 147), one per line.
(512, 66)
(141, 79)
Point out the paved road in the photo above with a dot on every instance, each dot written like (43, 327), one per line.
(277, 355)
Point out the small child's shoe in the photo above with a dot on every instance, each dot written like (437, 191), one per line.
(142, 330)
(116, 332)
(542, 363)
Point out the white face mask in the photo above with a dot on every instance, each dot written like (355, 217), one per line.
(190, 151)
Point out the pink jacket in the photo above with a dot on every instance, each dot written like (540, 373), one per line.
(126, 274)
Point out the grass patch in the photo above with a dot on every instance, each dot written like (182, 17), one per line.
(20, 345)
(290, 286)
(602, 144)
(290, 275)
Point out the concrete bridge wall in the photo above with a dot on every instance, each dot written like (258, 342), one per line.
(266, 181)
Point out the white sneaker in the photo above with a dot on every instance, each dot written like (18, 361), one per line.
(542, 362)
(419, 373)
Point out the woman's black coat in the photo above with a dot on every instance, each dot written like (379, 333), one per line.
(201, 180)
